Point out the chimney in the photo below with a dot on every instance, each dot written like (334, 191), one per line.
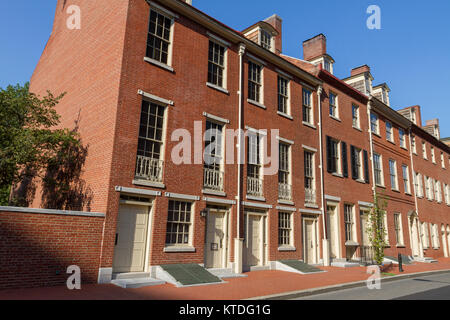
(314, 47)
(359, 70)
(276, 22)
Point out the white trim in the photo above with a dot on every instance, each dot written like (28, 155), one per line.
(260, 132)
(257, 205)
(285, 115)
(284, 74)
(365, 204)
(332, 198)
(281, 208)
(155, 98)
(256, 103)
(163, 10)
(213, 37)
(159, 64)
(216, 87)
(138, 191)
(256, 60)
(216, 118)
(286, 248)
(220, 201)
(179, 249)
(309, 148)
(285, 140)
(310, 211)
(147, 183)
(181, 196)
(51, 211)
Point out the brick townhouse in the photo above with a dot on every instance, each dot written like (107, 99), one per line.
(139, 71)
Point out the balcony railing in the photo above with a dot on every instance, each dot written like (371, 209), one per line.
(310, 196)
(254, 187)
(284, 191)
(149, 169)
(213, 179)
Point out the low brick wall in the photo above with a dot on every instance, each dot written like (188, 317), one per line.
(37, 246)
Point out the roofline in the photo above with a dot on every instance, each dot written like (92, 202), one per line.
(237, 37)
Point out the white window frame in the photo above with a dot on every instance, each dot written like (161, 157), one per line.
(438, 191)
(310, 107)
(433, 156)
(413, 144)
(406, 181)
(394, 174)
(190, 223)
(424, 150)
(290, 229)
(400, 238)
(261, 85)
(402, 141)
(443, 162)
(288, 97)
(356, 120)
(389, 133)
(381, 169)
(225, 45)
(377, 124)
(339, 156)
(264, 45)
(336, 106)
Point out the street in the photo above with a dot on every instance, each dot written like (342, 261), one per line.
(434, 287)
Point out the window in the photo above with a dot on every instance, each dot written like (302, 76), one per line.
(254, 165)
(438, 191)
(216, 64)
(442, 160)
(401, 136)
(374, 123)
(158, 41)
(433, 157)
(446, 194)
(393, 174)
(418, 184)
(398, 229)
(284, 229)
(413, 144)
(435, 236)
(310, 185)
(427, 187)
(307, 107)
(333, 158)
(385, 229)
(254, 81)
(424, 150)
(378, 166)
(213, 175)
(179, 223)
(356, 163)
(283, 95)
(327, 65)
(266, 39)
(389, 132)
(406, 184)
(349, 222)
(425, 235)
(284, 186)
(355, 116)
(333, 105)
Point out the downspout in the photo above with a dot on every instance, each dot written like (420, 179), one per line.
(238, 244)
(369, 112)
(415, 195)
(325, 244)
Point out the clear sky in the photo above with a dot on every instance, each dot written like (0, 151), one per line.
(411, 53)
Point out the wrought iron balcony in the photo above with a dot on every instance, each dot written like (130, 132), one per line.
(213, 179)
(284, 191)
(149, 169)
(254, 187)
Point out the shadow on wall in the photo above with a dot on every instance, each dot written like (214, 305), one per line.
(62, 186)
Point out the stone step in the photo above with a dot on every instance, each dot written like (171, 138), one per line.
(137, 283)
(344, 264)
(131, 275)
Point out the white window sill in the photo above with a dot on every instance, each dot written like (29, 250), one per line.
(396, 190)
(256, 103)
(309, 125)
(335, 118)
(159, 64)
(356, 128)
(390, 141)
(147, 183)
(313, 206)
(285, 115)
(286, 202)
(360, 181)
(377, 134)
(214, 193)
(408, 193)
(337, 175)
(262, 199)
(401, 246)
(381, 186)
(351, 243)
(218, 88)
(404, 148)
(179, 249)
(286, 248)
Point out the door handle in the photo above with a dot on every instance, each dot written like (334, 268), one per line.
(117, 239)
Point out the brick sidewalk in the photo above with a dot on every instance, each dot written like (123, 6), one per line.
(257, 284)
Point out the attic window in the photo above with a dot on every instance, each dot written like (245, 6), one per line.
(266, 39)
(327, 65)
(384, 96)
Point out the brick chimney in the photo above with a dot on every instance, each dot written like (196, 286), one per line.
(314, 47)
(276, 22)
(359, 70)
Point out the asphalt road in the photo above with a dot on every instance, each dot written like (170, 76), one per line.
(434, 287)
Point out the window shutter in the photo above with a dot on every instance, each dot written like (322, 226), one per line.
(344, 159)
(329, 159)
(366, 166)
(353, 162)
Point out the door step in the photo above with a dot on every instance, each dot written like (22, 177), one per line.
(225, 273)
(425, 260)
(344, 264)
(130, 275)
(137, 283)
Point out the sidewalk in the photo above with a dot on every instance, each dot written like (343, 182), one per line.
(257, 284)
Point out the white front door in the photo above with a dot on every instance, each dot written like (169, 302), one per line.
(414, 227)
(333, 229)
(310, 244)
(216, 239)
(131, 238)
(364, 233)
(444, 242)
(254, 244)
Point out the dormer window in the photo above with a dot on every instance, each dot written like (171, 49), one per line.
(265, 39)
(327, 65)
(384, 95)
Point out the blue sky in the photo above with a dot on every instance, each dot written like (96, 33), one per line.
(411, 53)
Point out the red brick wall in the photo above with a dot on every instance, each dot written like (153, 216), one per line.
(36, 249)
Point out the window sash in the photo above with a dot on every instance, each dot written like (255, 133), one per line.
(355, 116)
(158, 40)
(150, 138)
(216, 63)
(254, 81)
(309, 170)
(284, 228)
(283, 176)
(213, 146)
(178, 223)
(349, 222)
(393, 174)
(307, 109)
(377, 169)
(283, 94)
(333, 105)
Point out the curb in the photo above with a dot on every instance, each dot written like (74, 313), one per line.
(338, 287)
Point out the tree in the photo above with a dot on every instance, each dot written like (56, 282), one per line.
(28, 138)
(377, 229)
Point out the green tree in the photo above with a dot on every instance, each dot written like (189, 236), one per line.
(28, 138)
(377, 229)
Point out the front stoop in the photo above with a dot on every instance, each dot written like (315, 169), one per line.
(135, 280)
(342, 263)
(425, 260)
(226, 273)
